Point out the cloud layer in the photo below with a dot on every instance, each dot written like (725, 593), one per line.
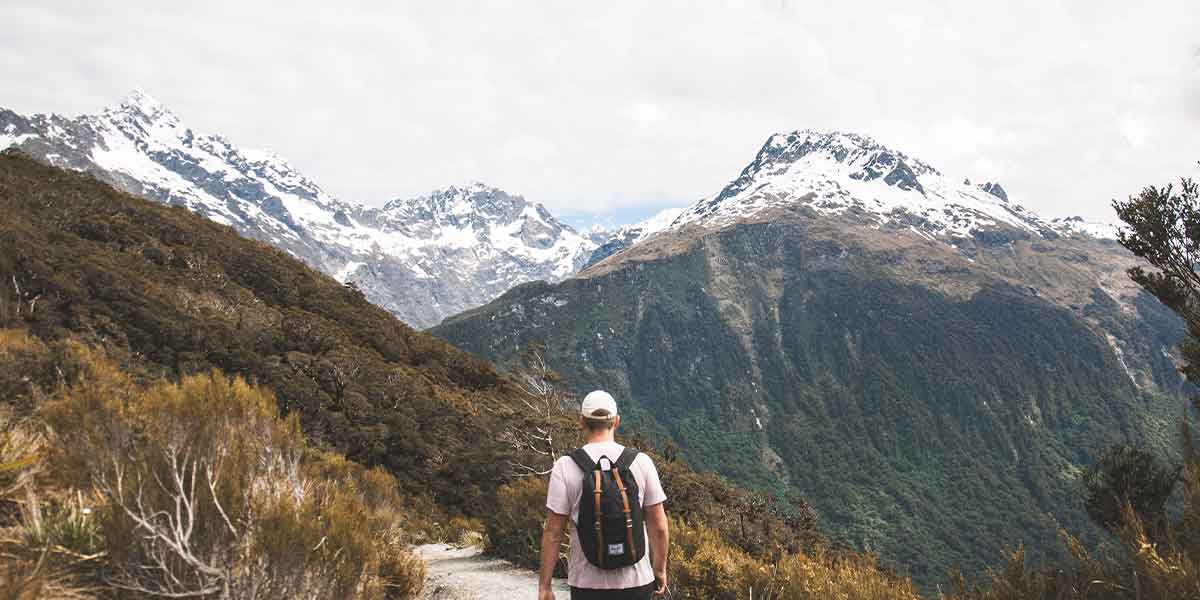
(623, 108)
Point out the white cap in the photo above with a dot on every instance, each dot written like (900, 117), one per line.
(599, 401)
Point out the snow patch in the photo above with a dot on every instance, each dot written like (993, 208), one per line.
(1076, 225)
(343, 274)
(8, 140)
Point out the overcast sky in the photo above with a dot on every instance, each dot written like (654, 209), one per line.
(617, 109)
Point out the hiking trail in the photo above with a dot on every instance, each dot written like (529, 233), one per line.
(465, 574)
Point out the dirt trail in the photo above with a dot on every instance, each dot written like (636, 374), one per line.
(464, 574)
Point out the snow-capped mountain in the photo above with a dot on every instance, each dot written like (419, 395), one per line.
(853, 176)
(430, 257)
(629, 235)
(846, 173)
(423, 258)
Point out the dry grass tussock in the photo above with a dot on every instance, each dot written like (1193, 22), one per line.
(189, 489)
(704, 566)
(32, 564)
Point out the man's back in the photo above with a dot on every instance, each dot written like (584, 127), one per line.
(599, 421)
(563, 497)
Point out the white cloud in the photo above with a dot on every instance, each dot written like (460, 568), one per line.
(602, 107)
(527, 148)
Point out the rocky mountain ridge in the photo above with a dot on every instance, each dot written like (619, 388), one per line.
(421, 258)
(833, 172)
(853, 177)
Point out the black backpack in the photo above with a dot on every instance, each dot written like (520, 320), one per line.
(611, 526)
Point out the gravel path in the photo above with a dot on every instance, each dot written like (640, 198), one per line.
(464, 574)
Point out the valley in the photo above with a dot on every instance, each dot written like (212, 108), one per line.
(839, 308)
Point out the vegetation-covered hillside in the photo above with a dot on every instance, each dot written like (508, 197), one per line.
(168, 293)
(931, 408)
(151, 359)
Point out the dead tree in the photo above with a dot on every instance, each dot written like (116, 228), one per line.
(538, 425)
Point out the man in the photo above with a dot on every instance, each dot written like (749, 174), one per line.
(648, 577)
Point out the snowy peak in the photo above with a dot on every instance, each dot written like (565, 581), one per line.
(475, 199)
(830, 172)
(138, 115)
(141, 104)
(484, 213)
(139, 98)
(861, 158)
(423, 258)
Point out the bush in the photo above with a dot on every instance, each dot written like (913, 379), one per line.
(514, 528)
(704, 566)
(1141, 569)
(827, 574)
(203, 489)
(401, 575)
(20, 454)
(761, 525)
(463, 531)
(33, 541)
(1123, 477)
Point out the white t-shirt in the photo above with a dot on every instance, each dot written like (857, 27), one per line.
(566, 488)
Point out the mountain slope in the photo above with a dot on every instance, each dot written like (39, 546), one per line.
(489, 240)
(163, 293)
(930, 364)
(167, 293)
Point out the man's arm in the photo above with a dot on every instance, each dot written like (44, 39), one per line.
(552, 536)
(660, 540)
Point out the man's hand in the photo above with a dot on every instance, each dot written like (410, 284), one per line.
(660, 541)
(545, 593)
(661, 580)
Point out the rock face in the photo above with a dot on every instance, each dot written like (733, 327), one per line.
(454, 249)
(482, 239)
(929, 363)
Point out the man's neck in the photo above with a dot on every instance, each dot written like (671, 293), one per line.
(600, 437)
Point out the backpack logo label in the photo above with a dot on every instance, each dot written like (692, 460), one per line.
(616, 549)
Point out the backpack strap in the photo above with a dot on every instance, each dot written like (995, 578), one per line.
(583, 461)
(587, 465)
(629, 550)
(599, 520)
(627, 457)
(623, 464)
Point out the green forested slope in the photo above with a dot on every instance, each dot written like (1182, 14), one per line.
(935, 428)
(170, 293)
